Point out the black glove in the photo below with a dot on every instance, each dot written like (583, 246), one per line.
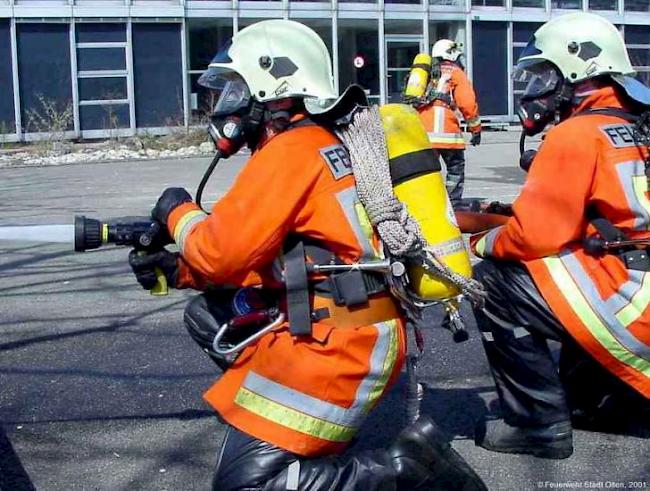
(499, 208)
(144, 264)
(476, 139)
(170, 198)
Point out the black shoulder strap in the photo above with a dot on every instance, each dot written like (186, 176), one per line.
(295, 276)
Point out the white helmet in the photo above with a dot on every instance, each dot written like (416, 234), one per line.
(447, 49)
(580, 45)
(276, 59)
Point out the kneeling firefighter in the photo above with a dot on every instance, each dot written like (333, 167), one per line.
(297, 396)
(572, 264)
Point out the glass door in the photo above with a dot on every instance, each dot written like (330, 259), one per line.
(400, 51)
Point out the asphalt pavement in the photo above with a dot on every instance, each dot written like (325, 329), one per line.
(100, 386)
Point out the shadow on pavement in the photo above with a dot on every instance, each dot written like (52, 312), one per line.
(12, 473)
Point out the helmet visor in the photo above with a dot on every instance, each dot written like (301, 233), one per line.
(541, 78)
(232, 90)
(530, 50)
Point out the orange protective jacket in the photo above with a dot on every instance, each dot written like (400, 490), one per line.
(306, 395)
(440, 118)
(587, 160)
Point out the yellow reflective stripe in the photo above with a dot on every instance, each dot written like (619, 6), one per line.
(473, 122)
(580, 306)
(638, 304)
(366, 226)
(479, 247)
(387, 369)
(293, 419)
(185, 224)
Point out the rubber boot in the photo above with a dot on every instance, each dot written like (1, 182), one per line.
(423, 459)
(419, 459)
(553, 441)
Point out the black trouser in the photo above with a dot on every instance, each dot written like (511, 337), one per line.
(516, 324)
(455, 163)
(246, 464)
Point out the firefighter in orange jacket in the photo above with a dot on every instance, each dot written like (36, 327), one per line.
(589, 179)
(301, 392)
(451, 91)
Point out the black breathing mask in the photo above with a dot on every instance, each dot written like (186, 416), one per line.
(236, 117)
(231, 132)
(546, 99)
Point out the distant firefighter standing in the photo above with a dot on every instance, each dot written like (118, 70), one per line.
(447, 91)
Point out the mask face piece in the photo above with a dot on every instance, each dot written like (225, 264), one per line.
(234, 98)
(536, 114)
(543, 96)
(227, 134)
(235, 118)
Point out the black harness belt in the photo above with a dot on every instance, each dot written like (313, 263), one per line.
(347, 289)
(295, 277)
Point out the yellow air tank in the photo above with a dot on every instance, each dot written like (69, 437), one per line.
(418, 183)
(418, 76)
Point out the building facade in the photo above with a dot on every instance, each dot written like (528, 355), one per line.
(101, 68)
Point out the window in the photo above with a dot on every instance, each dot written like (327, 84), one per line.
(206, 37)
(359, 54)
(603, 5)
(540, 4)
(157, 73)
(416, 2)
(7, 115)
(637, 40)
(45, 75)
(637, 5)
(522, 33)
(404, 40)
(488, 3)
(102, 76)
(490, 67)
(566, 4)
(454, 30)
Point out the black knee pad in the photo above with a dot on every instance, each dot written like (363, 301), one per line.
(203, 317)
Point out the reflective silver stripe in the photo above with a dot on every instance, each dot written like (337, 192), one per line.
(604, 309)
(489, 238)
(298, 400)
(487, 335)
(520, 332)
(438, 119)
(185, 226)
(633, 180)
(349, 199)
(439, 134)
(293, 476)
(385, 346)
(448, 247)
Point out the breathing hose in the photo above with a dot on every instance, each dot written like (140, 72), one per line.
(206, 177)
